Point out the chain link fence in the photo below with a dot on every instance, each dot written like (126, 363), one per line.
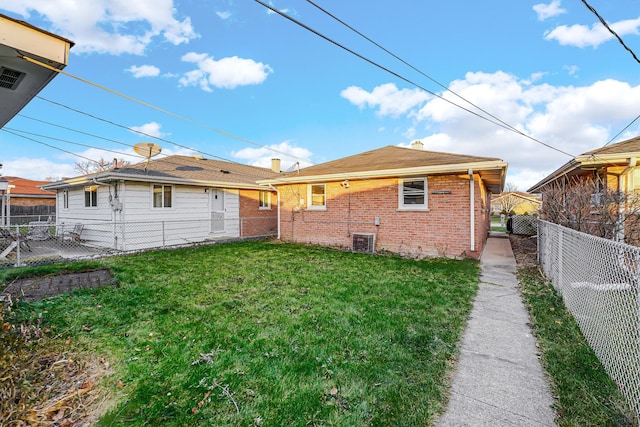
(526, 225)
(41, 242)
(599, 282)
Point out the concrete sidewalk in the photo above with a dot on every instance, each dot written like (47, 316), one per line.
(499, 380)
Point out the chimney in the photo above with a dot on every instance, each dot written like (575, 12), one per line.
(275, 165)
(417, 145)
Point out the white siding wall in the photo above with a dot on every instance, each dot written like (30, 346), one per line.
(139, 225)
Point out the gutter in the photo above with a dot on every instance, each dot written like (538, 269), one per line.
(421, 170)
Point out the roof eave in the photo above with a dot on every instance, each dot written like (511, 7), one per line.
(398, 172)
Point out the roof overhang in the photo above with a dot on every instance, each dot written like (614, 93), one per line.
(110, 177)
(17, 39)
(493, 173)
(587, 162)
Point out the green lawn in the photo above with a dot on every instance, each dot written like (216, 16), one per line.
(271, 334)
(585, 394)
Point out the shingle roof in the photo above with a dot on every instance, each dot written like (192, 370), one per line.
(28, 188)
(183, 169)
(387, 158)
(629, 146)
(197, 169)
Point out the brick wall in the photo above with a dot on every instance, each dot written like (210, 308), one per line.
(32, 201)
(255, 221)
(444, 230)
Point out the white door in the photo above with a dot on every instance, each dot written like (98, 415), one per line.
(217, 210)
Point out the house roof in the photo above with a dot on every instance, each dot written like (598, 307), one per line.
(187, 170)
(399, 161)
(21, 78)
(533, 198)
(622, 153)
(28, 188)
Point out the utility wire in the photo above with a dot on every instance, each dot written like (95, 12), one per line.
(410, 65)
(48, 145)
(595, 12)
(148, 105)
(623, 129)
(375, 64)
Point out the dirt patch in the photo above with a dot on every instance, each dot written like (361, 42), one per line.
(525, 250)
(36, 288)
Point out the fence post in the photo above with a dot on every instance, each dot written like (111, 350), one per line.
(18, 239)
(560, 260)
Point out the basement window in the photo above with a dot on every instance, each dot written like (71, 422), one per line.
(10, 79)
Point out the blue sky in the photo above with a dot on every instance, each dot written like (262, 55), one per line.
(273, 89)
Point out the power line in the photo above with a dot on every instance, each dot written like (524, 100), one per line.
(595, 12)
(375, 64)
(410, 65)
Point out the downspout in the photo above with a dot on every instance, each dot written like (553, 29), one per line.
(271, 187)
(472, 212)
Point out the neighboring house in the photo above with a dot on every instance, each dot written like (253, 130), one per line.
(169, 201)
(515, 201)
(27, 202)
(20, 79)
(597, 192)
(615, 165)
(402, 200)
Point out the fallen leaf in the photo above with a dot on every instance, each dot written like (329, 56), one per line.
(333, 391)
(84, 328)
(194, 410)
(120, 384)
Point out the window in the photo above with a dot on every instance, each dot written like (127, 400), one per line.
(317, 196)
(265, 200)
(162, 196)
(90, 197)
(412, 194)
(65, 199)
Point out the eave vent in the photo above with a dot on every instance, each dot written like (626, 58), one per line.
(364, 242)
(10, 79)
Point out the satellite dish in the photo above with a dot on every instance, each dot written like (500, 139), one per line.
(148, 150)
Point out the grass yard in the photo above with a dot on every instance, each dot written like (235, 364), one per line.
(585, 394)
(262, 333)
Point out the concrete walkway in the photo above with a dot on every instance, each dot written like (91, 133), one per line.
(499, 380)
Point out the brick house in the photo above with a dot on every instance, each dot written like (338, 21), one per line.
(403, 200)
(27, 202)
(167, 201)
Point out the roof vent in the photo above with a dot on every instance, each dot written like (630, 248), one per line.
(10, 79)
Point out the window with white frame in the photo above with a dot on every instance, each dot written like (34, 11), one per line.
(317, 196)
(90, 197)
(162, 196)
(265, 200)
(412, 193)
(65, 199)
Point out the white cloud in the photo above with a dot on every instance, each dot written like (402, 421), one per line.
(39, 169)
(386, 98)
(569, 118)
(151, 129)
(226, 73)
(109, 26)
(224, 14)
(584, 36)
(546, 11)
(571, 69)
(289, 155)
(144, 71)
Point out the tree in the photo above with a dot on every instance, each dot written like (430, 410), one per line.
(507, 202)
(91, 166)
(588, 206)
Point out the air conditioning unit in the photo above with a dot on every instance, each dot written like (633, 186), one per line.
(364, 242)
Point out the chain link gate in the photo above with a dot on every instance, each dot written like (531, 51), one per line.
(599, 282)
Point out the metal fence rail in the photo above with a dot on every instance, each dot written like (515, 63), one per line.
(599, 282)
(41, 242)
